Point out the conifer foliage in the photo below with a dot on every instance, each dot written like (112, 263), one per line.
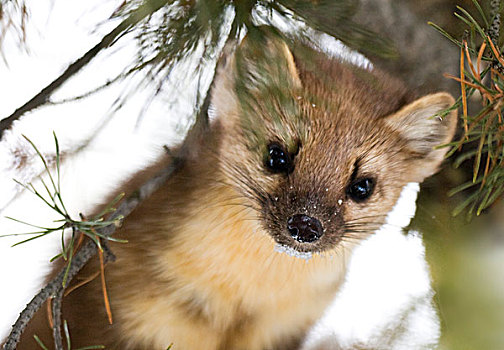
(481, 79)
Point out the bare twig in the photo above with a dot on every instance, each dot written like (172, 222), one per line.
(56, 316)
(493, 31)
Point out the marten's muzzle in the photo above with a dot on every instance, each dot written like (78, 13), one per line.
(304, 221)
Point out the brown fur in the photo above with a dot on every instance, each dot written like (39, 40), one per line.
(200, 269)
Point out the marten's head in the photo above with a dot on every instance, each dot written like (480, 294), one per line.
(321, 149)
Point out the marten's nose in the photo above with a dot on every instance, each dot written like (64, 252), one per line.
(304, 228)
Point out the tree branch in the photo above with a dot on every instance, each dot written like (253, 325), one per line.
(89, 249)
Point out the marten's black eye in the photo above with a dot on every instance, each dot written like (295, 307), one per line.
(361, 189)
(278, 159)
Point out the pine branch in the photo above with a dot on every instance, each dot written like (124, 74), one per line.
(481, 71)
(88, 251)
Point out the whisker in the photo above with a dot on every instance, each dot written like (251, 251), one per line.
(361, 224)
(359, 231)
(351, 239)
(367, 217)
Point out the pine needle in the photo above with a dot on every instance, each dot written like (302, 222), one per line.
(104, 287)
(85, 281)
(465, 82)
(79, 242)
(39, 342)
(480, 55)
(49, 313)
(495, 51)
(469, 61)
(463, 88)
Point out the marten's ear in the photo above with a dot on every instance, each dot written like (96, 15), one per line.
(261, 65)
(423, 131)
(264, 61)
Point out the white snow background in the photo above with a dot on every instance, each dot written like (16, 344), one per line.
(388, 278)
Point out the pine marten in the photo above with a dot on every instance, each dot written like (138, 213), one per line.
(247, 242)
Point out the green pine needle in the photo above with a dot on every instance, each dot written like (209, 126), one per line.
(54, 200)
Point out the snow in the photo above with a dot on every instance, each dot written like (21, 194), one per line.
(293, 252)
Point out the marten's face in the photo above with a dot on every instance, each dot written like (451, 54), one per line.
(321, 150)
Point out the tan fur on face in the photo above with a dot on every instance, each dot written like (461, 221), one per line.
(200, 269)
